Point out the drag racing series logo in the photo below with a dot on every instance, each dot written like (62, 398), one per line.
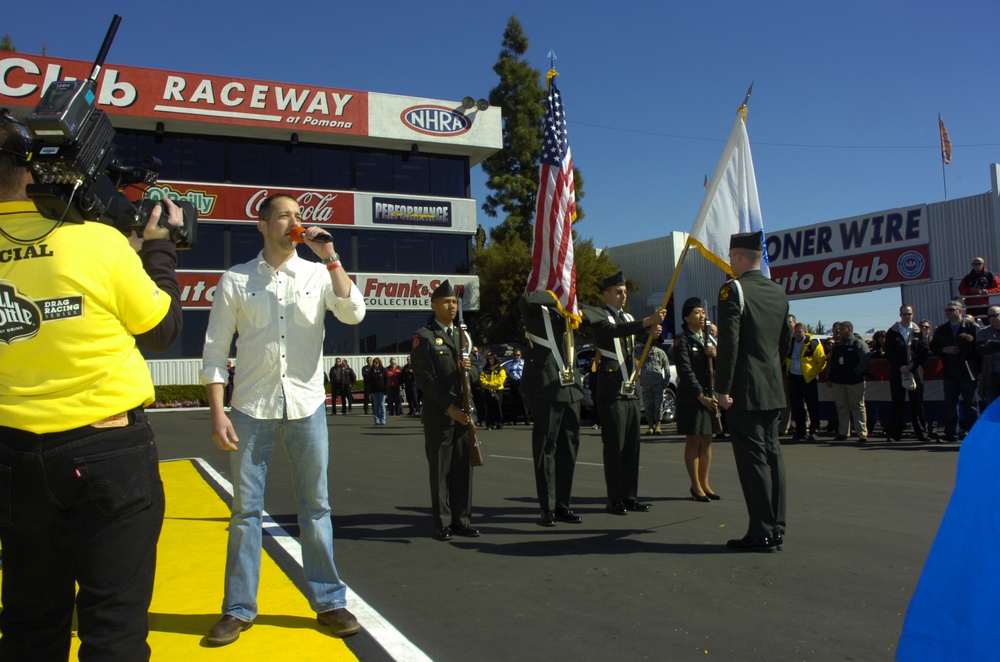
(410, 212)
(21, 318)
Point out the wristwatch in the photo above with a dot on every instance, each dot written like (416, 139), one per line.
(330, 260)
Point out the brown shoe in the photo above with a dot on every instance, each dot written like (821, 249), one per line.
(226, 631)
(340, 621)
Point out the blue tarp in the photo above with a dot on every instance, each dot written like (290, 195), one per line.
(955, 611)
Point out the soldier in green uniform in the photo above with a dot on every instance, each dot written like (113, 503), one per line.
(554, 395)
(754, 335)
(614, 332)
(436, 365)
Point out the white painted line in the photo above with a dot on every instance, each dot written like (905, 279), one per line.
(388, 637)
(528, 459)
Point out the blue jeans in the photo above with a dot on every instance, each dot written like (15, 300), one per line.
(953, 388)
(79, 508)
(378, 407)
(306, 442)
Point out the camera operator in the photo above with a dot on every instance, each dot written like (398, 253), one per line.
(81, 502)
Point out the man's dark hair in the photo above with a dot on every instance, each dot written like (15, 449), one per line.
(13, 150)
(264, 212)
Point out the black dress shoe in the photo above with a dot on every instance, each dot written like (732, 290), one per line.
(547, 519)
(616, 508)
(704, 498)
(226, 631)
(464, 530)
(444, 533)
(840, 437)
(713, 496)
(568, 516)
(750, 543)
(779, 541)
(638, 506)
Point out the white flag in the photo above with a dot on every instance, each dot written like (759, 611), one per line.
(731, 204)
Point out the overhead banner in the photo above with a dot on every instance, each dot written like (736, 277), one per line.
(380, 291)
(170, 95)
(857, 254)
(232, 203)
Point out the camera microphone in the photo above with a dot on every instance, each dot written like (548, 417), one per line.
(297, 232)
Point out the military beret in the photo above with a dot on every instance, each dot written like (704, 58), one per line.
(691, 304)
(753, 241)
(443, 290)
(613, 281)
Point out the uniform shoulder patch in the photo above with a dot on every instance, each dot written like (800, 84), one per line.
(724, 293)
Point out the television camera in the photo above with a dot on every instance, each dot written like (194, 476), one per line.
(72, 156)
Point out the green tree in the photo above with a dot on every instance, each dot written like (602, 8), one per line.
(513, 171)
(7, 44)
(503, 267)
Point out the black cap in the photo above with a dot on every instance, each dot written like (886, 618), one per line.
(752, 241)
(613, 281)
(443, 290)
(691, 304)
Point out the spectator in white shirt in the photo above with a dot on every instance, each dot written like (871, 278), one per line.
(276, 304)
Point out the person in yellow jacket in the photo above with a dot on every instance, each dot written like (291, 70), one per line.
(492, 378)
(805, 360)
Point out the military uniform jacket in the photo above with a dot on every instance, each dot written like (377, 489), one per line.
(614, 338)
(435, 369)
(545, 357)
(754, 337)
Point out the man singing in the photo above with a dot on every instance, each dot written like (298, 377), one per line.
(276, 303)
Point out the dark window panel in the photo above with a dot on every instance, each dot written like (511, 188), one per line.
(373, 172)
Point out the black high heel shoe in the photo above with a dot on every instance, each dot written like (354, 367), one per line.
(699, 497)
(713, 496)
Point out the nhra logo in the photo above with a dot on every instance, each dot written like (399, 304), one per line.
(20, 318)
(435, 120)
(910, 264)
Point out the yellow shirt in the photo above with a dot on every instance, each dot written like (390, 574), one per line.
(71, 299)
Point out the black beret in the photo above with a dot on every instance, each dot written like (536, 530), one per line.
(691, 304)
(613, 281)
(753, 241)
(443, 290)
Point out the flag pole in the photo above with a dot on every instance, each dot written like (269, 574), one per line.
(944, 178)
(666, 300)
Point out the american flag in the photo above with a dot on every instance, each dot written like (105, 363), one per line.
(552, 266)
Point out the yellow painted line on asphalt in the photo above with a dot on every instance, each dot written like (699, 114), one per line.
(187, 595)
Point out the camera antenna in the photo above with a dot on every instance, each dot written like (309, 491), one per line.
(105, 47)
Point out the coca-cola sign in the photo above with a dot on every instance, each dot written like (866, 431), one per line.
(242, 203)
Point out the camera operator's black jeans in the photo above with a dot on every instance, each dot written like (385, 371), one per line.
(83, 506)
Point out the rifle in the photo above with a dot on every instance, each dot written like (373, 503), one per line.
(717, 415)
(475, 453)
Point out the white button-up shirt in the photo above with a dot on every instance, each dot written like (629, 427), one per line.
(278, 314)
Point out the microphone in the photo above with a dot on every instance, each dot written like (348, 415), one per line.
(298, 230)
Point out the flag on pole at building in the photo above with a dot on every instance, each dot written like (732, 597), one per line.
(731, 204)
(552, 266)
(945, 142)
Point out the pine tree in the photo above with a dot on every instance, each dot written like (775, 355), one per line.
(7, 44)
(513, 171)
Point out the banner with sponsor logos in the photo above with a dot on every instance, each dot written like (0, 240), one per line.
(851, 255)
(380, 291)
(168, 95)
(233, 203)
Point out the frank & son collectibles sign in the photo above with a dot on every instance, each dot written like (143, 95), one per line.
(380, 291)
(851, 255)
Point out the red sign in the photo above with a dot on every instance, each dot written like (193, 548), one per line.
(168, 95)
(856, 272)
(229, 202)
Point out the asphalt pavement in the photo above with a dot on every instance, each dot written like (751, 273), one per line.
(649, 586)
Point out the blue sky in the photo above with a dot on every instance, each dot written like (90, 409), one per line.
(842, 121)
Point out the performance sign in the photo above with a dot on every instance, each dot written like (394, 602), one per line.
(380, 291)
(851, 255)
